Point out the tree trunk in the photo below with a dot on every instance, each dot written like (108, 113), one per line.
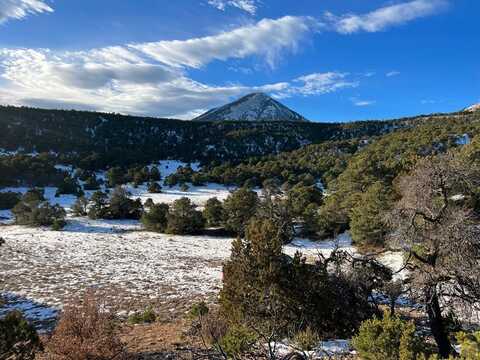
(437, 324)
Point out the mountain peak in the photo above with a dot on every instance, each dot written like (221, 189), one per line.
(256, 106)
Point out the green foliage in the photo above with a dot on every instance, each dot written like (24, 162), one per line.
(304, 202)
(383, 160)
(26, 170)
(239, 208)
(122, 207)
(301, 196)
(18, 338)
(58, 225)
(155, 219)
(263, 286)
(69, 186)
(115, 176)
(237, 341)
(120, 140)
(213, 212)
(118, 206)
(469, 345)
(325, 160)
(306, 340)
(182, 175)
(35, 194)
(138, 175)
(388, 338)
(98, 206)
(37, 213)
(155, 174)
(9, 199)
(147, 316)
(367, 225)
(183, 218)
(198, 310)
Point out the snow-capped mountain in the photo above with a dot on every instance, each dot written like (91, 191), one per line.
(473, 108)
(252, 107)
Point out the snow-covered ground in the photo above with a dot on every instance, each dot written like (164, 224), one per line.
(130, 266)
(325, 349)
(41, 269)
(314, 248)
(40, 266)
(198, 194)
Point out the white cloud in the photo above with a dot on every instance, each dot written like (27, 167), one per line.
(392, 73)
(317, 84)
(249, 6)
(19, 9)
(147, 79)
(48, 79)
(363, 103)
(267, 38)
(152, 78)
(385, 17)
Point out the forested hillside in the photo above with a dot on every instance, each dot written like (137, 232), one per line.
(360, 174)
(112, 139)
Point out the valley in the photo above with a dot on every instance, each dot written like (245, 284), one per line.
(149, 234)
(239, 180)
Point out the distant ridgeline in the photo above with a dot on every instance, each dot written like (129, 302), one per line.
(101, 140)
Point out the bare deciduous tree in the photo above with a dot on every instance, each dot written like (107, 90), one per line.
(434, 221)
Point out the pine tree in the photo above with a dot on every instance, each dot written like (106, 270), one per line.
(213, 212)
(240, 206)
(98, 207)
(122, 207)
(155, 174)
(367, 223)
(156, 218)
(183, 218)
(115, 176)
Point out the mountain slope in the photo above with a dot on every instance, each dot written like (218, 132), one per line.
(475, 107)
(98, 140)
(252, 107)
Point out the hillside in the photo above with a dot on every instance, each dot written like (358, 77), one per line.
(111, 139)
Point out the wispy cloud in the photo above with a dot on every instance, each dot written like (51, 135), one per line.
(392, 73)
(369, 74)
(317, 84)
(267, 38)
(362, 103)
(249, 6)
(19, 9)
(152, 78)
(46, 79)
(385, 17)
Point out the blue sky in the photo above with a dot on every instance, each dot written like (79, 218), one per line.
(330, 60)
